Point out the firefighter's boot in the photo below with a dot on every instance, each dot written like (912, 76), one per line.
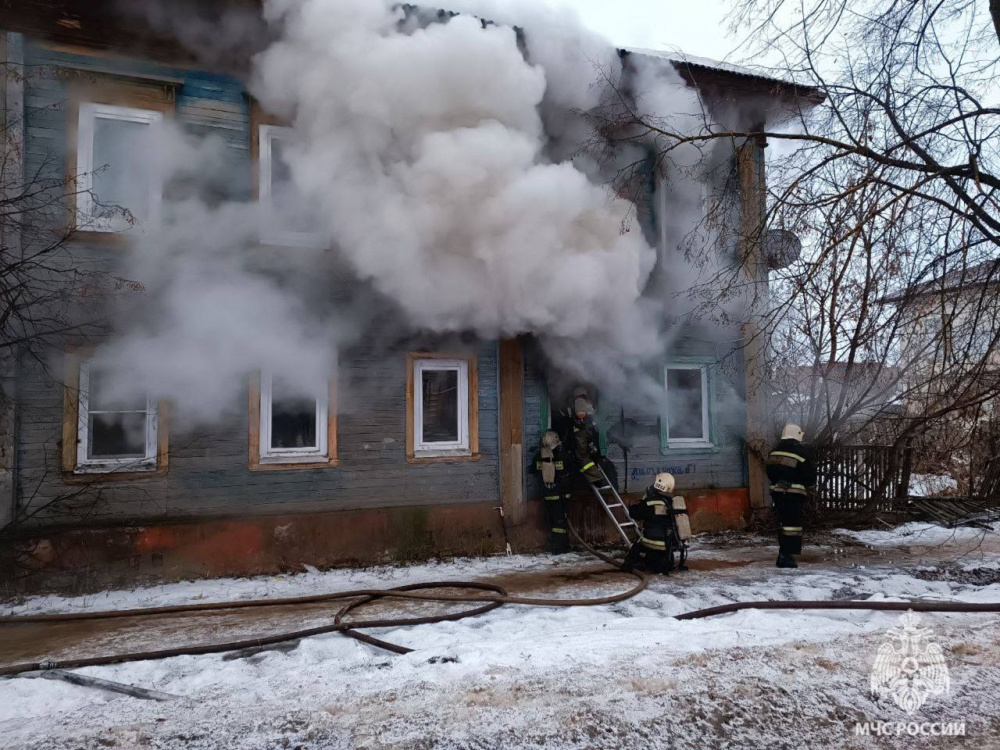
(559, 541)
(786, 561)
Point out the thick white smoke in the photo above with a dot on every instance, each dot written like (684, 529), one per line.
(426, 150)
(447, 171)
(213, 310)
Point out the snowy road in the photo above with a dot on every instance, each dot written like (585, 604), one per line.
(622, 676)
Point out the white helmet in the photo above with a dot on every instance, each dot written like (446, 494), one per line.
(551, 440)
(664, 483)
(792, 432)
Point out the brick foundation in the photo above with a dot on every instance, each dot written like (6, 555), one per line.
(91, 558)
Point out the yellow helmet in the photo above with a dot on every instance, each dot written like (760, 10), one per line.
(551, 440)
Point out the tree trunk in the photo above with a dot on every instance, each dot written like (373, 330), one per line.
(995, 14)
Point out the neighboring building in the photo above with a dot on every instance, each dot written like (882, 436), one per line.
(951, 320)
(950, 358)
(418, 469)
(860, 400)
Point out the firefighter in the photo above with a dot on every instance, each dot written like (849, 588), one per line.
(792, 470)
(583, 440)
(665, 528)
(551, 462)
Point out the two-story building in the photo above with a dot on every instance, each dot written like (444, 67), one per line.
(438, 435)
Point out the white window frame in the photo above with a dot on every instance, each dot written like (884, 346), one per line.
(270, 233)
(705, 440)
(449, 448)
(269, 455)
(85, 208)
(87, 465)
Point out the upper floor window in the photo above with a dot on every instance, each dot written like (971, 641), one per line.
(687, 420)
(117, 178)
(289, 217)
(115, 432)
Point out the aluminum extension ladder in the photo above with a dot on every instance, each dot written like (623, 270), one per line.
(612, 503)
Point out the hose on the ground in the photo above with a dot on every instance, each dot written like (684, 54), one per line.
(493, 596)
(916, 606)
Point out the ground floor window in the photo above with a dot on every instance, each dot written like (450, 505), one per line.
(109, 427)
(442, 407)
(289, 428)
(686, 420)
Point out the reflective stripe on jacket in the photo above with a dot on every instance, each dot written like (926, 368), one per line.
(789, 489)
(791, 468)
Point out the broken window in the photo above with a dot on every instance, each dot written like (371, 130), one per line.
(687, 404)
(293, 424)
(290, 218)
(441, 411)
(117, 430)
(116, 174)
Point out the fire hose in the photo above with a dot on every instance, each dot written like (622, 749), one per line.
(916, 606)
(491, 597)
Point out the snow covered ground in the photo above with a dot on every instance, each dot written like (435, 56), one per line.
(620, 676)
(932, 485)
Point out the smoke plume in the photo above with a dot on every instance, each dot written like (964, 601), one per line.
(441, 164)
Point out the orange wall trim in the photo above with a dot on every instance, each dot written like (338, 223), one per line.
(92, 558)
(719, 510)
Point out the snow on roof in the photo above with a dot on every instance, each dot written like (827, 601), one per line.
(683, 60)
(677, 56)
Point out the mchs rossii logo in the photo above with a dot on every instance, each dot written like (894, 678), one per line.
(910, 668)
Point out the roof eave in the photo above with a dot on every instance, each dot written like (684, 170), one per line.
(698, 75)
(722, 76)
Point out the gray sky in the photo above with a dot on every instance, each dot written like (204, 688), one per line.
(698, 27)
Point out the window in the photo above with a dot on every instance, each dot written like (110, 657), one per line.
(687, 421)
(442, 407)
(115, 432)
(289, 217)
(289, 429)
(292, 426)
(115, 167)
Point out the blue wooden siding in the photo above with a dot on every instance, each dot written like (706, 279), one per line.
(205, 103)
(721, 466)
(535, 406)
(208, 474)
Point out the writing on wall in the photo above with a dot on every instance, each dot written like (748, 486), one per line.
(640, 472)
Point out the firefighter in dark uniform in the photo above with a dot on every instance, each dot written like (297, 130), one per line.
(791, 467)
(665, 528)
(582, 439)
(553, 464)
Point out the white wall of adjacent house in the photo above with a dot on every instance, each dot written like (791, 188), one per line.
(953, 329)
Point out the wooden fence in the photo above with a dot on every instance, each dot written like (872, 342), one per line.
(849, 478)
